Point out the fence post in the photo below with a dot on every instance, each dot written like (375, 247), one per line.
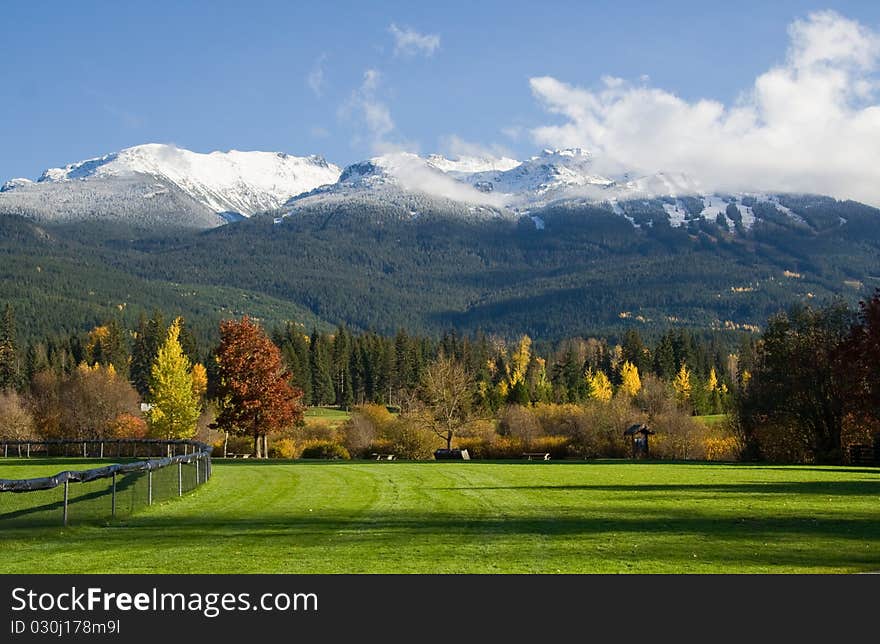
(150, 487)
(28, 450)
(113, 498)
(5, 450)
(102, 449)
(66, 498)
(197, 472)
(179, 478)
(19, 450)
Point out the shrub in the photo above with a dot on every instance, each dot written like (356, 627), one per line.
(519, 422)
(16, 421)
(128, 426)
(557, 420)
(679, 436)
(408, 440)
(284, 448)
(358, 433)
(557, 446)
(725, 448)
(324, 450)
(317, 430)
(598, 430)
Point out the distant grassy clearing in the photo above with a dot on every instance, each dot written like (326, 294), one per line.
(483, 517)
(328, 415)
(712, 419)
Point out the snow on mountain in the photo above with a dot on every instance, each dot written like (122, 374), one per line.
(404, 171)
(660, 184)
(469, 165)
(12, 184)
(552, 175)
(242, 182)
(162, 184)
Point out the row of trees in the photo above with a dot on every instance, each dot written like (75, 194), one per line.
(98, 399)
(346, 369)
(804, 391)
(814, 389)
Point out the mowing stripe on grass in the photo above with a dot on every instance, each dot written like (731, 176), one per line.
(368, 517)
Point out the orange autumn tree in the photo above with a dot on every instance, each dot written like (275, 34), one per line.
(255, 397)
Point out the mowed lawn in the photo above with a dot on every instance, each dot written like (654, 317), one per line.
(473, 517)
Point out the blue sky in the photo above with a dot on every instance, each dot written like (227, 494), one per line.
(82, 79)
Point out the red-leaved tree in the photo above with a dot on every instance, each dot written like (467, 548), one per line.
(255, 397)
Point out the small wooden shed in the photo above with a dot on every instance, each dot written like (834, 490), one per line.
(638, 435)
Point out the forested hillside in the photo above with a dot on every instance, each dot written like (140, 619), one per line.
(583, 270)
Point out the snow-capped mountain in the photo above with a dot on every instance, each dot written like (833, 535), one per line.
(515, 187)
(168, 183)
(164, 185)
(408, 185)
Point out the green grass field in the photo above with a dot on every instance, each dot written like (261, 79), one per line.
(712, 419)
(367, 517)
(14, 468)
(328, 415)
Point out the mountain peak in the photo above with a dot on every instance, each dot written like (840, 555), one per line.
(232, 181)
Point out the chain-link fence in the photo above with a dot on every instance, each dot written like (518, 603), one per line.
(168, 469)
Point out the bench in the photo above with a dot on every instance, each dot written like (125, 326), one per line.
(234, 455)
(383, 457)
(544, 456)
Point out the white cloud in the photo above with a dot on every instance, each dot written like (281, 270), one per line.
(454, 145)
(409, 42)
(414, 173)
(810, 124)
(315, 79)
(513, 132)
(365, 105)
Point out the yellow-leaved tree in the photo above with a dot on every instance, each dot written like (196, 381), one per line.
(199, 380)
(630, 383)
(519, 362)
(176, 401)
(599, 385)
(682, 385)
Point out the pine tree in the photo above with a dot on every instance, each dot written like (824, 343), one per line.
(635, 351)
(108, 345)
(176, 403)
(664, 357)
(341, 358)
(295, 351)
(10, 371)
(323, 392)
(147, 338)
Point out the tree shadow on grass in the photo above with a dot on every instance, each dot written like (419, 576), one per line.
(821, 488)
(664, 536)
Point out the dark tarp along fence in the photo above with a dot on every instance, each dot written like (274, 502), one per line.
(101, 493)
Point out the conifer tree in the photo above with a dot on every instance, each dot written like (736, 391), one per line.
(10, 371)
(147, 338)
(295, 351)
